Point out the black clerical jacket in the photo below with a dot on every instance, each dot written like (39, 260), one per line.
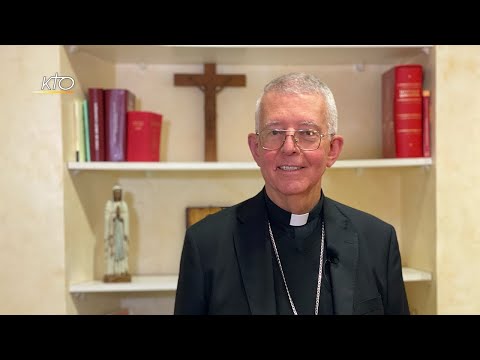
(226, 264)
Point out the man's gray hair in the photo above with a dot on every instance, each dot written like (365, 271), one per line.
(305, 84)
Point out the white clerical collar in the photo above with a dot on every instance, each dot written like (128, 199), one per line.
(298, 220)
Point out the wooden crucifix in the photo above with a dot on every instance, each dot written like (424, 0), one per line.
(210, 83)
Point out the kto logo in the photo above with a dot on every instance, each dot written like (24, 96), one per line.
(57, 85)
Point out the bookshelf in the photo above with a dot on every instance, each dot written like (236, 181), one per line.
(158, 193)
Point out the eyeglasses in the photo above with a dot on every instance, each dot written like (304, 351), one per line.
(307, 140)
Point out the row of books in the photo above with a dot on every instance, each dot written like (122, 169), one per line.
(108, 128)
(405, 113)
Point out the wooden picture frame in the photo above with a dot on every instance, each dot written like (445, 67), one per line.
(195, 214)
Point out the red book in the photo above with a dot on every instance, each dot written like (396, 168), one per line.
(426, 123)
(402, 111)
(117, 103)
(96, 124)
(143, 134)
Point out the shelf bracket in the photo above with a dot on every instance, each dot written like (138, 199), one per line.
(71, 49)
(360, 67)
(78, 296)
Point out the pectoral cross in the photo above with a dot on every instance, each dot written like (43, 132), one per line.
(210, 83)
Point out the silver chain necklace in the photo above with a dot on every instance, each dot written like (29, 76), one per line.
(317, 301)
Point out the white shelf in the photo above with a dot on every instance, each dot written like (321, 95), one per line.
(251, 54)
(382, 163)
(138, 283)
(169, 283)
(222, 166)
(410, 275)
(162, 166)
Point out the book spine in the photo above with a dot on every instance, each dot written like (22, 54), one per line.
(117, 103)
(144, 130)
(80, 133)
(96, 119)
(136, 137)
(426, 123)
(408, 111)
(86, 130)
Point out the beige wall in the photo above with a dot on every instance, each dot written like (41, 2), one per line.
(457, 137)
(32, 280)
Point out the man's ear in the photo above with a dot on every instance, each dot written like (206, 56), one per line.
(336, 145)
(254, 147)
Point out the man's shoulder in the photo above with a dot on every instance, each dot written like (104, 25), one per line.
(356, 215)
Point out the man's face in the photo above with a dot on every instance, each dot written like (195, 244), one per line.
(290, 170)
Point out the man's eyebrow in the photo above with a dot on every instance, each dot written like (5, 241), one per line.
(272, 123)
(309, 123)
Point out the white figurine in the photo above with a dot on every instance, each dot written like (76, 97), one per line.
(116, 238)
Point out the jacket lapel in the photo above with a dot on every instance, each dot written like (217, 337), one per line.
(342, 248)
(254, 256)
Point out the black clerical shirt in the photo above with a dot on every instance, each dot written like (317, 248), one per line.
(299, 251)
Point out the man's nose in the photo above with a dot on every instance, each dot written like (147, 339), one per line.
(290, 143)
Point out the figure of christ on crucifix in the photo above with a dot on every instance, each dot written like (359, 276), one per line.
(210, 83)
